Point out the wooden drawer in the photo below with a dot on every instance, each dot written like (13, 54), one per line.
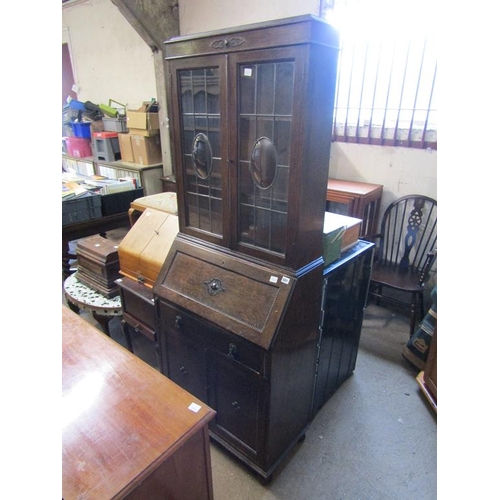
(139, 327)
(137, 304)
(231, 346)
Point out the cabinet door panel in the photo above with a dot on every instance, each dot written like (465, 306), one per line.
(264, 115)
(344, 302)
(200, 135)
(186, 364)
(238, 395)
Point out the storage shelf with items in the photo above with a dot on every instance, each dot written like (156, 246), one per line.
(146, 176)
(82, 166)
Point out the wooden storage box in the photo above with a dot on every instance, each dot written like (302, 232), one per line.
(98, 264)
(144, 248)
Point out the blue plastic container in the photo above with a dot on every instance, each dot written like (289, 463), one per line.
(81, 129)
(78, 105)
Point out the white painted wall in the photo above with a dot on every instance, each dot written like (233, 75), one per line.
(112, 61)
(205, 15)
(401, 171)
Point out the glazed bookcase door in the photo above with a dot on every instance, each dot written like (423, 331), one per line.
(200, 138)
(264, 121)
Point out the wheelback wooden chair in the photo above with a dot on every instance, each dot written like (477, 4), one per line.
(406, 251)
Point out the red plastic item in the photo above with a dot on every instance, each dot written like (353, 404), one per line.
(105, 135)
(78, 146)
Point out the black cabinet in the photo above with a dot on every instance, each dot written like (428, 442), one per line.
(345, 289)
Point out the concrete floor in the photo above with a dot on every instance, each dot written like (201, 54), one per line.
(374, 439)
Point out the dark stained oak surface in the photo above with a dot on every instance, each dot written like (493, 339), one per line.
(122, 420)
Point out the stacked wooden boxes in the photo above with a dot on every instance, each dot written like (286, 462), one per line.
(98, 265)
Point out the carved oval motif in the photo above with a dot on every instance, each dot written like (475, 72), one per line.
(263, 163)
(202, 156)
(234, 41)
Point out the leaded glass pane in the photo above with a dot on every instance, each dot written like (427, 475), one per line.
(200, 115)
(265, 111)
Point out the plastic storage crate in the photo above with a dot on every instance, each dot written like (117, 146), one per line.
(81, 209)
(78, 146)
(115, 124)
(81, 129)
(117, 203)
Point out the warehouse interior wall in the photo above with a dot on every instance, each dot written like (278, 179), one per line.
(112, 61)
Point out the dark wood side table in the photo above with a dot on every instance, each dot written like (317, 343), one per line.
(127, 430)
(138, 311)
(356, 199)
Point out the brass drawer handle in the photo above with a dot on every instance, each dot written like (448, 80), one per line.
(178, 322)
(232, 352)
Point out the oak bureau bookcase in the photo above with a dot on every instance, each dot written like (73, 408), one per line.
(238, 298)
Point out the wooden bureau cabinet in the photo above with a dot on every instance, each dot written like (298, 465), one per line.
(238, 299)
(241, 336)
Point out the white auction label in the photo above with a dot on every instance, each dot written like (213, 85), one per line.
(194, 407)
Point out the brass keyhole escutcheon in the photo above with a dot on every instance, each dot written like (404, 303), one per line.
(214, 286)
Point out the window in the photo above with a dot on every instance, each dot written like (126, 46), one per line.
(387, 72)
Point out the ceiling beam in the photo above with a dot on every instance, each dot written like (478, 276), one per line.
(154, 20)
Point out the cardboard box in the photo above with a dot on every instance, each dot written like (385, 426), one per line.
(144, 121)
(125, 142)
(147, 150)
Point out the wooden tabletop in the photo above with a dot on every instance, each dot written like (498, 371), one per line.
(121, 417)
(360, 188)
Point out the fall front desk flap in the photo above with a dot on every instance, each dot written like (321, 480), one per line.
(245, 298)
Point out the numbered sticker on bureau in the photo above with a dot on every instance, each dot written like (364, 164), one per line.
(194, 407)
